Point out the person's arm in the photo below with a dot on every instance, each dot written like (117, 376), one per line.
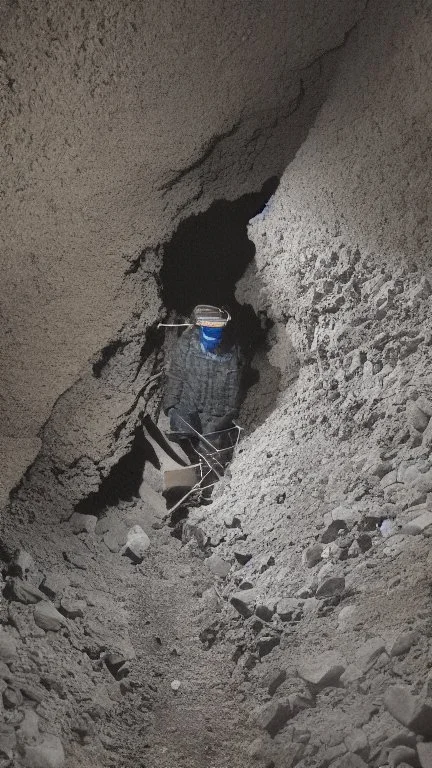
(175, 375)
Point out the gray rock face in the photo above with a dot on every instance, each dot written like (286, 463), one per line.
(48, 618)
(425, 755)
(273, 716)
(24, 592)
(322, 672)
(242, 102)
(83, 523)
(404, 642)
(312, 555)
(137, 544)
(413, 712)
(8, 646)
(369, 652)
(330, 586)
(48, 754)
(218, 566)
(287, 607)
(244, 601)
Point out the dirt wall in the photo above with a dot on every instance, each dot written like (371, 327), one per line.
(326, 517)
(119, 121)
(361, 178)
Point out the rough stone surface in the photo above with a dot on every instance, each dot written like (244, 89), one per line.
(322, 672)
(411, 711)
(49, 754)
(425, 755)
(273, 716)
(48, 618)
(114, 164)
(341, 280)
(218, 566)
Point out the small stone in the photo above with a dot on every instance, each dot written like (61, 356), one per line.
(33, 694)
(8, 646)
(266, 643)
(310, 605)
(12, 698)
(354, 550)
(265, 611)
(256, 749)
(72, 609)
(117, 665)
(48, 754)
(332, 753)
(335, 529)
(176, 685)
(425, 405)
(364, 541)
(331, 586)
(112, 541)
(381, 468)
(322, 672)
(351, 675)
(7, 741)
(419, 524)
(232, 521)
(369, 652)
(350, 515)
(28, 731)
(424, 481)
(332, 551)
(242, 556)
(312, 555)
(400, 755)
(411, 711)
(287, 607)
(4, 671)
(23, 592)
(357, 743)
(424, 751)
(403, 643)
(300, 701)
(273, 716)
(388, 528)
(244, 602)
(83, 523)
(417, 418)
(137, 544)
(218, 566)
(347, 617)
(48, 618)
(22, 565)
(389, 479)
(274, 679)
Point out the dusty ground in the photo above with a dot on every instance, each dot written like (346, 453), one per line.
(151, 615)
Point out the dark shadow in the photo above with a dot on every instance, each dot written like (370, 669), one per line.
(123, 481)
(203, 262)
(209, 253)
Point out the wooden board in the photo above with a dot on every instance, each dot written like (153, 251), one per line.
(184, 477)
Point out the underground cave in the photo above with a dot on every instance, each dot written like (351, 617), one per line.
(275, 159)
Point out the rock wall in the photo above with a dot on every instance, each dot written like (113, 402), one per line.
(325, 520)
(117, 123)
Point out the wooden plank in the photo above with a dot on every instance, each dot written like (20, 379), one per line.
(185, 477)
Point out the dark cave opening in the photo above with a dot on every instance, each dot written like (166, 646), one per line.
(206, 257)
(202, 263)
